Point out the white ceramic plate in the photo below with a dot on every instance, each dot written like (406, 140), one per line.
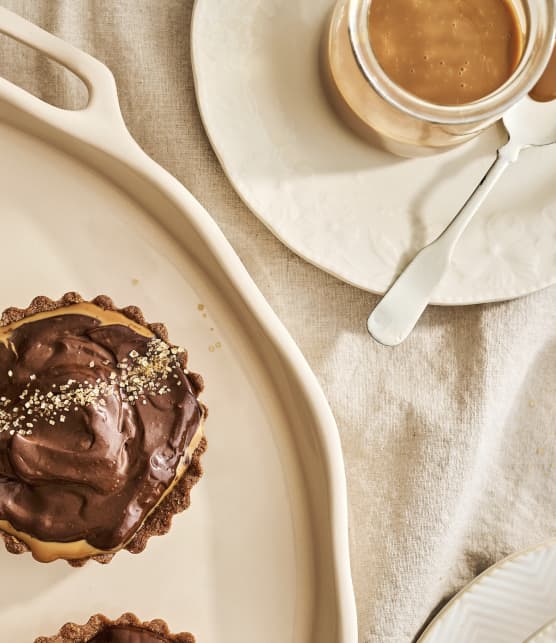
(546, 634)
(262, 554)
(349, 209)
(509, 603)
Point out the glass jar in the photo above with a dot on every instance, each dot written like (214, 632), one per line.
(387, 115)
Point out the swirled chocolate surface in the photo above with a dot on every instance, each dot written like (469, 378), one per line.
(95, 422)
(123, 634)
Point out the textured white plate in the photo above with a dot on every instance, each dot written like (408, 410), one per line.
(262, 553)
(354, 211)
(546, 634)
(505, 604)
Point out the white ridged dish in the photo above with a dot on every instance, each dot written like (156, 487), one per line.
(352, 210)
(546, 634)
(262, 554)
(512, 602)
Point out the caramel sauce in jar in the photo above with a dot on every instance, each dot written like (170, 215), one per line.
(545, 89)
(416, 77)
(448, 52)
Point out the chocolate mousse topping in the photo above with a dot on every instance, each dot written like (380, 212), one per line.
(97, 415)
(122, 634)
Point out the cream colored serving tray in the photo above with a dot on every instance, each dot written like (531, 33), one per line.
(262, 554)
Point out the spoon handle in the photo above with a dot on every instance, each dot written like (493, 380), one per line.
(401, 307)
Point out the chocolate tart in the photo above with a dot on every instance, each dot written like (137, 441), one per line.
(127, 629)
(101, 429)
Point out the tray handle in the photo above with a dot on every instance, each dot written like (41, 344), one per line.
(103, 98)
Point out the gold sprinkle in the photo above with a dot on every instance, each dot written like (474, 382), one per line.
(138, 376)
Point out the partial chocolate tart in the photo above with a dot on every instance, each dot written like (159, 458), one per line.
(127, 629)
(101, 429)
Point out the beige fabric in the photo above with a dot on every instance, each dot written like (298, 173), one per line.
(448, 439)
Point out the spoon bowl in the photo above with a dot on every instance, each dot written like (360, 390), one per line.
(530, 123)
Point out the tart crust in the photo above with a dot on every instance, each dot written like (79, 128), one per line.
(159, 521)
(74, 633)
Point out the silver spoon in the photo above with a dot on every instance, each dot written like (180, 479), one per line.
(529, 123)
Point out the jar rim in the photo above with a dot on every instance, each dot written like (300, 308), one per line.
(540, 37)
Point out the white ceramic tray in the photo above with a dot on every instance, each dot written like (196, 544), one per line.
(262, 554)
(346, 207)
(511, 602)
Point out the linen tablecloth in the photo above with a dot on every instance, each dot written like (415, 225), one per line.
(448, 439)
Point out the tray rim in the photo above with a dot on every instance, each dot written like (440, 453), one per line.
(99, 130)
